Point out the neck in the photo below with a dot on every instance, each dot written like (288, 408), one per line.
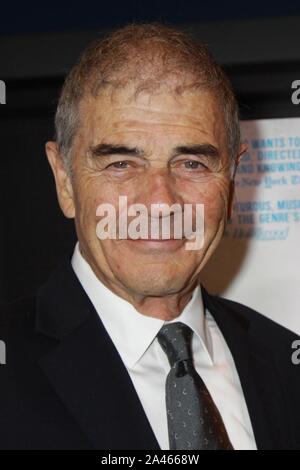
(165, 307)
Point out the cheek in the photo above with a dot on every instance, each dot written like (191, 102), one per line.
(215, 196)
(90, 193)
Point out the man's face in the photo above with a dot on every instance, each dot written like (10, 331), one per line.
(156, 126)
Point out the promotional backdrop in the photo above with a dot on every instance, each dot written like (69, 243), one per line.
(258, 260)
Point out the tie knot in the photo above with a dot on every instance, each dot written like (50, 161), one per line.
(175, 340)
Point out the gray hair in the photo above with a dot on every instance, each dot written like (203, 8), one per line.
(151, 56)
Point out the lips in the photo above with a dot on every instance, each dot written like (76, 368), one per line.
(155, 239)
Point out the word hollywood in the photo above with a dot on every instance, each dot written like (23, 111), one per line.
(183, 222)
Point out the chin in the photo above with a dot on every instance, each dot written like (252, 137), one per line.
(156, 283)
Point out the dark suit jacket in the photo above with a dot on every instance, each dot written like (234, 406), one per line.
(64, 385)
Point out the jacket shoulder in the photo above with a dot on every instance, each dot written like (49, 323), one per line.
(261, 326)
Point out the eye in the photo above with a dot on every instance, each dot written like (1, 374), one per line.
(118, 165)
(193, 165)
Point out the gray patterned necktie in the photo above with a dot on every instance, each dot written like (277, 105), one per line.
(194, 422)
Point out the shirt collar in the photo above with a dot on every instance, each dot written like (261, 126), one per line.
(131, 331)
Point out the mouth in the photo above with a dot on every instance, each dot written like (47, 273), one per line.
(155, 239)
(158, 243)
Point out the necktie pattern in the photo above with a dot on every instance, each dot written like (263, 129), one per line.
(194, 422)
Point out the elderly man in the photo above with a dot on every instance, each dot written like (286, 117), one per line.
(122, 348)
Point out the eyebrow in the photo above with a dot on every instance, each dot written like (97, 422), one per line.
(102, 150)
(106, 149)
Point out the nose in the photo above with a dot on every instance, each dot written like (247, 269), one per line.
(158, 193)
(160, 189)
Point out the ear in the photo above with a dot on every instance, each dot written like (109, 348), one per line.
(62, 180)
(243, 148)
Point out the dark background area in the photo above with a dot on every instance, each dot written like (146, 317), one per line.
(54, 16)
(257, 43)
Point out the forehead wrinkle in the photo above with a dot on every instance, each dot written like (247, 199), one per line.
(129, 124)
(194, 133)
(148, 110)
(155, 110)
(166, 117)
(150, 127)
(110, 121)
(187, 140)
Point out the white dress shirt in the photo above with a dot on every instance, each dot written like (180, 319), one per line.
(134, 336)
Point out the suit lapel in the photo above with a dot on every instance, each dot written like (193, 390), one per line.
(258, 374)
(86, 370)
